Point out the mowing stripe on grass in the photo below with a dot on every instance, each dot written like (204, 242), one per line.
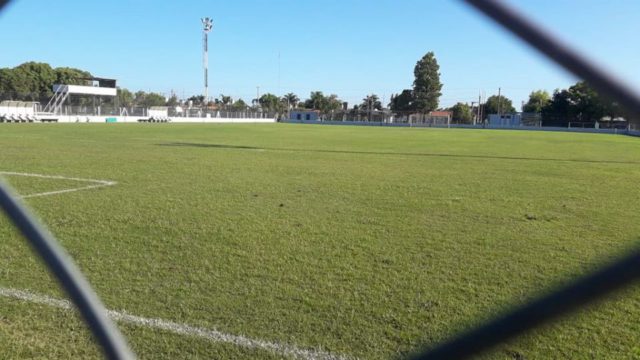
(97, 183)
(181, 329)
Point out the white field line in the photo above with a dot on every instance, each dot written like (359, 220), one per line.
(182, 329)
(95, 183)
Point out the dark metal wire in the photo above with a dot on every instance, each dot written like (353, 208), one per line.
(604, 83)
(563, 301)
(589, 288)
(68, 275)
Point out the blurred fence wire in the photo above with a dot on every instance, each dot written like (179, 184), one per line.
(587, 289)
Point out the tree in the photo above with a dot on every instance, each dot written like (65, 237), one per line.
(10, 85)
(239, 105)
(461, 113)
(125, 97)
(324, 104)
(427, 85)
(537, 101)
(498, 104)
(402, 102)
(71, 76)
(371, 102)
(139, 97)
(316, 101)
(197, 100)
(173, 101)
(225, 101)
(33, 81)
(149, 99)
(155, 99)
(269, 102)
(291, 99)
(589, 106)
(579, 103)
(331, 103)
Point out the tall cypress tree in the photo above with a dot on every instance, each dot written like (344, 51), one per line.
(427, 85)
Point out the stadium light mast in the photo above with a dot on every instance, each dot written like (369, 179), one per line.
(207, 24)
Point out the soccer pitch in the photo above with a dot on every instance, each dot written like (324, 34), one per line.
(316, 242)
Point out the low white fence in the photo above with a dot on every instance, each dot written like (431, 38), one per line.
(464, 126)
(136, 119)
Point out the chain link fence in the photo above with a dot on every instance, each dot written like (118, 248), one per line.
(174, 112)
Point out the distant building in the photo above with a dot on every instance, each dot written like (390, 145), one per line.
(507, 120)
(310, 115)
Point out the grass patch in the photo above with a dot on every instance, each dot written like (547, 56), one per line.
(367, 242)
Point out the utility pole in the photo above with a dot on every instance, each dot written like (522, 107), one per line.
(370, 100)
(474, 118)
(499, 104)
(479, 106)
(207, 26)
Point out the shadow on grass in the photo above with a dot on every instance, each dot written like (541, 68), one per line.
(217, 146)
(464, 156)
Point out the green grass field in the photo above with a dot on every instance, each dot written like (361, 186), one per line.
(362, 242)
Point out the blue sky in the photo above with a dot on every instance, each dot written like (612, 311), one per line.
(347, 47)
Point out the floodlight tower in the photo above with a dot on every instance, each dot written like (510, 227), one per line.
(207, 26)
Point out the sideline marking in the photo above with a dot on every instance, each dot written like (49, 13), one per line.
(181, 329)
(96, 183)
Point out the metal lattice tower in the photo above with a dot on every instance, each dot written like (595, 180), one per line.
(207, 24)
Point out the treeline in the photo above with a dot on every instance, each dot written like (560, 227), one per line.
(422, 97)
(578, 104)
(33, 81)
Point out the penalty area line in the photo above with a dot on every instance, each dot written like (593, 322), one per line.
(96, 183)
(181, 329)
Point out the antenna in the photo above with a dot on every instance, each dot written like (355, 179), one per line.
(207, 24)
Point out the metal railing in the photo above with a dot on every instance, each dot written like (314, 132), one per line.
(193, 112)
(472, 342)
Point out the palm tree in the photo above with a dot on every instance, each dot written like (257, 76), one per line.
(269, 102)
(371, 102)
(291, 100)
(255, 103)
(225, 100)
(316, 100)
(239, 105)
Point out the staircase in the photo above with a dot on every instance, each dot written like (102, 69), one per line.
(59, 96)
